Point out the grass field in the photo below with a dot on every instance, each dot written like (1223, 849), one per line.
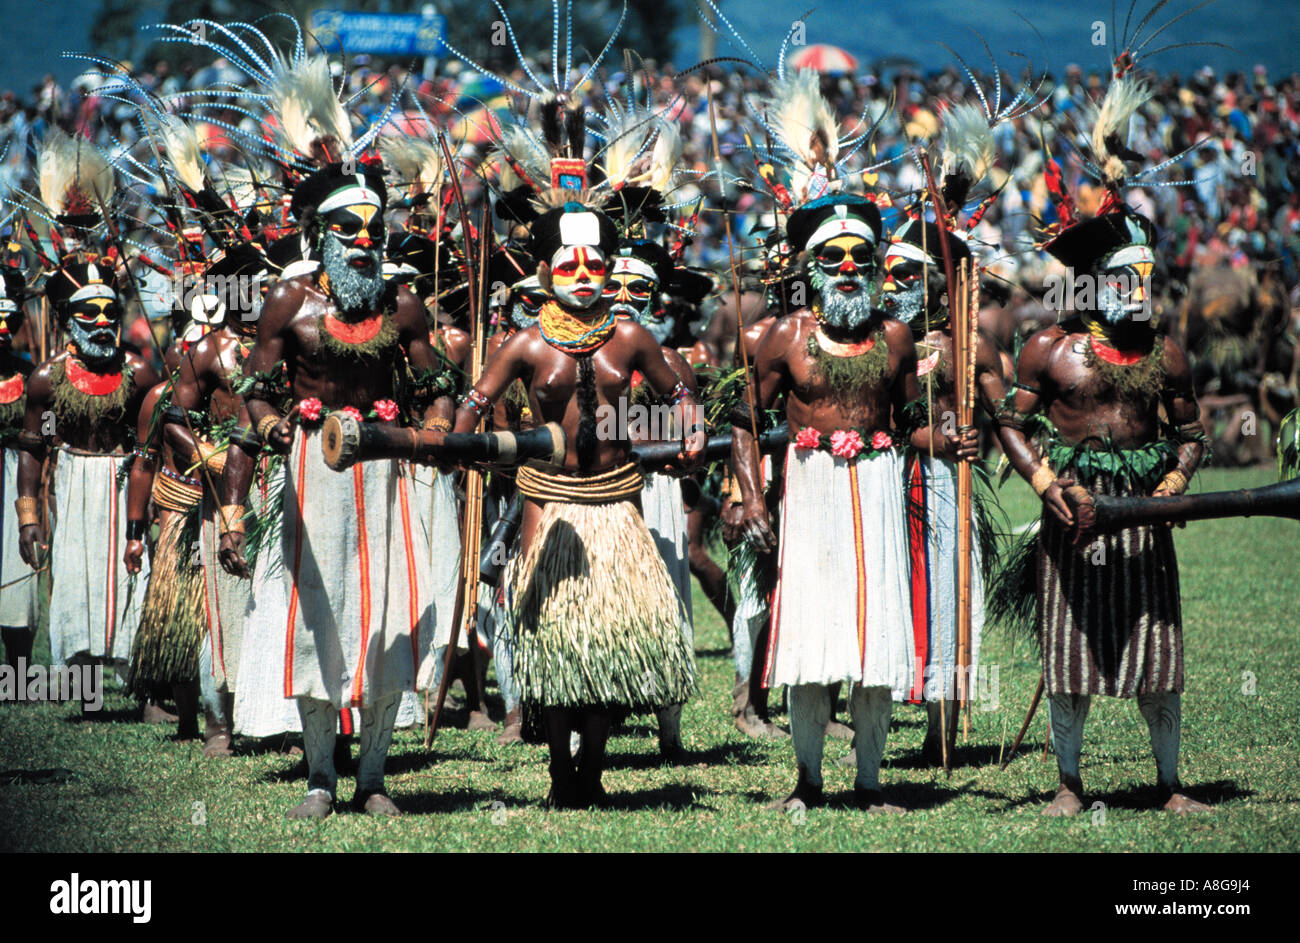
(129, 788)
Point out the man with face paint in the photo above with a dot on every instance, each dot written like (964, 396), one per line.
(632, 291)
(359, 623)
(19, 600)
(85, 402)
(593, 633)
(841, 606)
(238, 279)
(914, 290)
(1093, 388)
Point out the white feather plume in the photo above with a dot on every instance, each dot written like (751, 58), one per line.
(966, 144)
(1111, 119)
(73, 175)
(180, 143)
(415, 162)
(632, 159)
(528, 150)
(799, 115)
(307, 107)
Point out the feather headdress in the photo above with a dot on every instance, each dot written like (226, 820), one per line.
(1108, 138)
(75, 179)
(312, 120)
(416, 163)
(803, 121)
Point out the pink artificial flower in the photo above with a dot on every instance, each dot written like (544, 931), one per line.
(309, 408)
(845, 443)
(807, 438)
(881, 441)
(353, 412)
(386, 409)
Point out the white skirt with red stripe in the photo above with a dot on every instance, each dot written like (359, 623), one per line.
(842, 610)
(94, 603)
(933, 485)
(665, 518)
(19, 596)
(359, 614)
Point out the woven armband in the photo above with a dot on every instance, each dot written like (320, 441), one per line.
(266, 424)
(1042, 479)
(231, 518)
(1174, 483)
(439, 423)
(28, 512)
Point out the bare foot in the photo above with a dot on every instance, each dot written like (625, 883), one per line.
(1184, 805)
(873, 800)
(317, 805)
(218, 745)
(478, 720)
(511, 733)
(155, 714)
(1066, 803)
(375, 803)
(805, 796)
(838, 731)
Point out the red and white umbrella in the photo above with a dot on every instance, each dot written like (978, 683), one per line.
(824, 58)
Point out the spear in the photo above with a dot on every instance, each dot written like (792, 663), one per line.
(466, 604)
(963, 364)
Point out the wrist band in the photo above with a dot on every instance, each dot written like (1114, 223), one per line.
(439, 423)
(232, 518)
(679, 393)
(27, 512)
(148, 454)
(476, 401)
(1042, 479)
(266, 424)
(135, 530)
(1175, 482)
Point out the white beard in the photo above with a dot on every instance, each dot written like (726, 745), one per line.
(845, 312)
(356, 292)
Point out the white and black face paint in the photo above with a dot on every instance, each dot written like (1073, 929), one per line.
(903, 290)
(578, 276)
(632, 292)
(93, 327)
(356, 277)
(840, 271)
(1124, 289)
(526, 300)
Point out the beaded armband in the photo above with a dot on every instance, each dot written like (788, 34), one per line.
(476, 401)
(679, 393)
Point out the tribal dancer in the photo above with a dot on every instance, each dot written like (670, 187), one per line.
(1109, 614)
(849, 376)
(915, 291)
(205, 386)
(591, 635)
(92, 392)
(632, 291)
(19, 594)
(165, 652)
(359, 614)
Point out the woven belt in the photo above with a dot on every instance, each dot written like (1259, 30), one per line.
(617, 484)
(173, 492)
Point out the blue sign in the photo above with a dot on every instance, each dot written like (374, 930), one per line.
(384, 34)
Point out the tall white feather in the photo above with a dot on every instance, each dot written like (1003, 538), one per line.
(180, 143)
(307, 106)
(966, 145)
(800, 116)
(416, 162)
(529, 151)
(70, 170)
(1123, 98)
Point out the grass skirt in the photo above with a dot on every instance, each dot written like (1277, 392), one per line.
(172, 624)
(595, 615)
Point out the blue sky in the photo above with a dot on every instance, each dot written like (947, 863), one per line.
(36, 31)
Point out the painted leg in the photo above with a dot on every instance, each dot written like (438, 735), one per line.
(810, 709)
(670, 733)
(1164, 716)
(559, 724)
(376, 737)
(319, 722)
(870, 709)
(1069, 711)
(591, 763)
(18, 644)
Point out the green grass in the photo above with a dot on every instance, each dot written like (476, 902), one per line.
(132, 789)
